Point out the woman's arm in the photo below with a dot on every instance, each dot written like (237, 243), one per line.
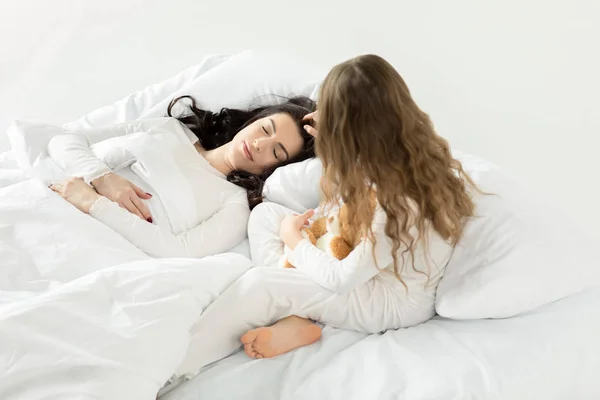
(73, 154)
(342, 276)
(218, 234)
(72, 151)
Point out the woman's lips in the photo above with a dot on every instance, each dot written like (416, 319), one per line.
(247, 151)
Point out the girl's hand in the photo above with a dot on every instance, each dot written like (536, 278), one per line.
(125, 193)
(289, 231)
(76, 192)
(312, 130)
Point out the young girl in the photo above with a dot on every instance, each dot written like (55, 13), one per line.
(372, 138)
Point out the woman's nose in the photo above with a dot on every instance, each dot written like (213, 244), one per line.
(256, 145)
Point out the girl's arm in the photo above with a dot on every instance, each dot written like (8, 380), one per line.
(342, 276)
(218, 234)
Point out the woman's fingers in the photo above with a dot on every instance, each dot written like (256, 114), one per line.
(57, 187)
(140, 204)
(142, 208)
(141, 194)
(129, 206)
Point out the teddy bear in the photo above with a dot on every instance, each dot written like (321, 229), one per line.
(332, 234)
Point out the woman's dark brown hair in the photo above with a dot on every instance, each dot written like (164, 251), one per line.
(216, 129)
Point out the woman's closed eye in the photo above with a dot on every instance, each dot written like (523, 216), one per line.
(276, 153)
(280, 152)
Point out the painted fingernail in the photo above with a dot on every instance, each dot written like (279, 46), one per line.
(149, 219)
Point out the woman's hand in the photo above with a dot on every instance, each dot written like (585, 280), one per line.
(314, 117)
(291, 226)
(125, 193)
(76, 192)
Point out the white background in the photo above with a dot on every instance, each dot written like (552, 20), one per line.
(514, 81)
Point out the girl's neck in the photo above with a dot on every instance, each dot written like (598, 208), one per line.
(217, 158)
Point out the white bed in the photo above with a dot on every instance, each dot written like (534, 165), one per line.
(551, 352)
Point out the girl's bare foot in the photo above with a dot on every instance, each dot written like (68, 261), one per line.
(286, 335)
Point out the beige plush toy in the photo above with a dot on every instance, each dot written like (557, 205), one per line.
(331, 234)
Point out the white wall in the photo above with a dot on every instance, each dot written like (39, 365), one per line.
(513, 81)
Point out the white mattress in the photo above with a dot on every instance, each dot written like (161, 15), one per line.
(552, 353)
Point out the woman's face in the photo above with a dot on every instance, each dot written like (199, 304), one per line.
(265, 143)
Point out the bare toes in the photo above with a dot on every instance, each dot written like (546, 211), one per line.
(249, 337)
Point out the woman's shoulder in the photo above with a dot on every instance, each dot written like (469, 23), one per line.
(159, 122)
(174, 125)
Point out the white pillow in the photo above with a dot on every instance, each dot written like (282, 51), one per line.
(248, 78)
(296, 186)
(515, 255)
(29, 143)
(135, 105)
(29, 140)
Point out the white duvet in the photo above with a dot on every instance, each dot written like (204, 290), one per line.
(85, 314)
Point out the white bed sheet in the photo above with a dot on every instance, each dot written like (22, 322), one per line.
(551, 353)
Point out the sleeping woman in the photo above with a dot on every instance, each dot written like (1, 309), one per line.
(184, 186)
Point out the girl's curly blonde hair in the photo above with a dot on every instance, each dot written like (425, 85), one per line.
(373, 137)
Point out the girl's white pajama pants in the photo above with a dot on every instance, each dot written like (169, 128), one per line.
(266, 294)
